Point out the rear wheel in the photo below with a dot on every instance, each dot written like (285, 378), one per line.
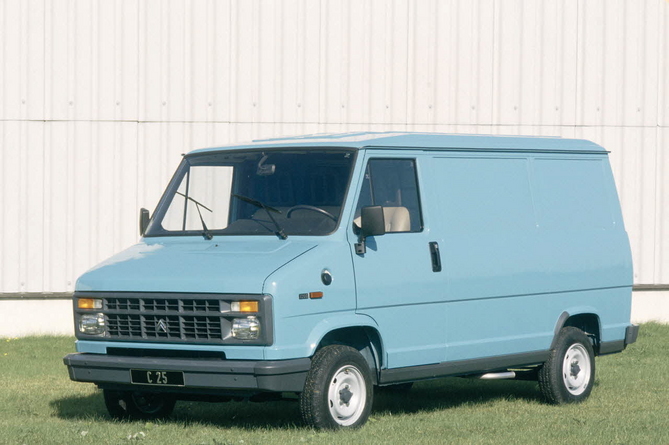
(132, 405)
(569, 373)
(338, 390)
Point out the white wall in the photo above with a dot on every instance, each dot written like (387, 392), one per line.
(98, 99)
(650, 306)
(36, 317)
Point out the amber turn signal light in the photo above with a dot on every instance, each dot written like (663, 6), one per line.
(244, 306)
(89, 303)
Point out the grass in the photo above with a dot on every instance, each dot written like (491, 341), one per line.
(629, 405)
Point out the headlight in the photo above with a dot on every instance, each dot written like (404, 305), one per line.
(246, 328)
(92, 324)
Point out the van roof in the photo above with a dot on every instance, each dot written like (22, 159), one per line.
(431, 141)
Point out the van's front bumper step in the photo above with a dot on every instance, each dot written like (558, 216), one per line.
(250, 375)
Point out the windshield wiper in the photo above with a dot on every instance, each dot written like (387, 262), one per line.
(205, 231)
(279, 231)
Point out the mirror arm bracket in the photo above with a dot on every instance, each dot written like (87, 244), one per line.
(144, 219)
(360, 246)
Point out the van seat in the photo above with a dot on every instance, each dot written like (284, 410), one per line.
(397, 219)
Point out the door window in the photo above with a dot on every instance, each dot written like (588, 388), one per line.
(392, 184)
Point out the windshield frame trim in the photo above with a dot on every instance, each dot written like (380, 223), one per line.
(185, 164)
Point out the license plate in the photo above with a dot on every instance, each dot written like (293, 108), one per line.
(161, 378)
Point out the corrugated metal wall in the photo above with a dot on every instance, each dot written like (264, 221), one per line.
(98, 99)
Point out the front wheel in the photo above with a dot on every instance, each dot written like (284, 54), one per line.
(135, 405)
(569, 373)
(338, 391)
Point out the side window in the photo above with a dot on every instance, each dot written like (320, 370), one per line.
(392, 183)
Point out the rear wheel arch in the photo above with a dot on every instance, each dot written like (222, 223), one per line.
(589, 323)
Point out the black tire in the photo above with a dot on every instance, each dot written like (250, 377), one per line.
(569, 373)
(338, 392)
(135, 405)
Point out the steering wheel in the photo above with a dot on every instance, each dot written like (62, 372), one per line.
(313, 209)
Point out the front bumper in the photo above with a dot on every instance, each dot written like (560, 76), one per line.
(201, 376)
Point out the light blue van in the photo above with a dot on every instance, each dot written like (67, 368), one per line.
(327, 265)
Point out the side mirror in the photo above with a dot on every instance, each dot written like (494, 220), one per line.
(143, 221)
(372, 222)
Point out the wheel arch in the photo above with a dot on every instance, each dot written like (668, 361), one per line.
(366, 339)
(586, 320)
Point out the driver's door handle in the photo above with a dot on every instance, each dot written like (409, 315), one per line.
(436, 257)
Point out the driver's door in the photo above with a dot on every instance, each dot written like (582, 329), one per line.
(395, 279)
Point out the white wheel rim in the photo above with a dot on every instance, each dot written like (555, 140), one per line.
(576, 369)
(347, 395)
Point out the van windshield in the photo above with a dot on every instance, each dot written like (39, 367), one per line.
(271, 192)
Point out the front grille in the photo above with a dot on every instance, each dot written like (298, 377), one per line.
(176, 318)
(124, 325)
(164, 318)
(162, 304)
(159, 304)
(122, 304)
(201, 306)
